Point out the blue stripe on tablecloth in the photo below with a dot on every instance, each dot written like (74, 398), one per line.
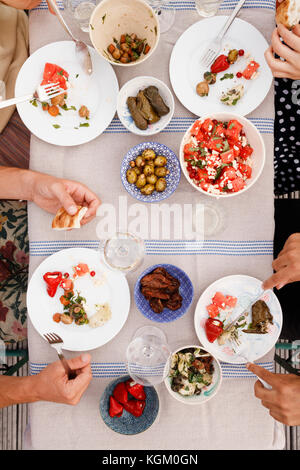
(167, 247)
(182, 5)
(181, 124)
(117, 369)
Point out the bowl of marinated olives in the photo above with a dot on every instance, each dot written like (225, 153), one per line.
(150, 172)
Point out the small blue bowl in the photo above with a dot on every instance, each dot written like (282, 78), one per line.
(127, 423)
(186, 290)
(172, 178)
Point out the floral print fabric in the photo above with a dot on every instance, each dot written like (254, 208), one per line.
(14, 260)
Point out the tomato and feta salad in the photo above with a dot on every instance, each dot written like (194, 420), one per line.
(218, 156)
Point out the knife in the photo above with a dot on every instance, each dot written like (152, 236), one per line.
(244, 311)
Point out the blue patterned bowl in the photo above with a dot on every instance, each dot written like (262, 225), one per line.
(127, 423)
(172, 178)
(186, 290)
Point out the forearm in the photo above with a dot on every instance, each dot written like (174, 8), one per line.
(16, 183)
(14, 390)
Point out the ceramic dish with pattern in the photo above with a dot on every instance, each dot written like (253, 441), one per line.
(171, 179)
(127, 423)
(245, 289)
(185, 290)
(132, 88)
(195, 376)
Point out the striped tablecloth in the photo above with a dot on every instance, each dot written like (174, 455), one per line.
(234, 419)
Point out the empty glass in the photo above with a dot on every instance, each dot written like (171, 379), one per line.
(123, 251)
(165, 13)
(81, 11)
(207, 7)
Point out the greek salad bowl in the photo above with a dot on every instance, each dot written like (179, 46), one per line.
(222, 155)
(194, 375)
(124, 32)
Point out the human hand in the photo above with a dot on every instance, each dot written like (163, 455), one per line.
(52, 383)
(290, 52)
(283, 401)
(51, 193)
(286, 265)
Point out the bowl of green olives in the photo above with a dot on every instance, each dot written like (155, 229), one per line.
(150, 172)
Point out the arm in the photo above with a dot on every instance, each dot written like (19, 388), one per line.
(23, 4)
(48, 192)
(51, 384)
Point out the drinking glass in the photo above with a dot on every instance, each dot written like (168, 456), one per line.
(81, 11)
(148, 355)
(207, 7)
(165, 13)
(123, 251)
(2, 91)
(208, 219)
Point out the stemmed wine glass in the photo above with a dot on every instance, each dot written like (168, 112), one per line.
(166, 15)
(123, 251)
(148, 356)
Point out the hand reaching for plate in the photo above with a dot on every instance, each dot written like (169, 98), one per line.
(286, 265)
(289, 51)
(51, 193)
(283, 401)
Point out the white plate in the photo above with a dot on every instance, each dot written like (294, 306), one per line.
(132, 88)
(186, 70)
(113, 288)
(244, 288)
(98, 92)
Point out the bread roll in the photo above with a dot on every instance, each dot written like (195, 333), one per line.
(65, 221)
(288, 13)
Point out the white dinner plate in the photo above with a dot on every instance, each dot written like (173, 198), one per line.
(106, 286)
(244, 288)
(97, 91)
(186, 71)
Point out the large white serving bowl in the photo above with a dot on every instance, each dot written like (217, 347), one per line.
(110, 19)
(255, 140)
(207, 393)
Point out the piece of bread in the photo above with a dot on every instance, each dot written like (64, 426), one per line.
(288, 13)
(65, 221)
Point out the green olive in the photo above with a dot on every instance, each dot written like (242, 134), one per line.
(151, 179)
(131, 176)
(148, 189)
(161, 171)
(148, 154)
(232, 56)
(139, 161)
(160, 161)
(160, 185)
(148, 170)
(141, 181)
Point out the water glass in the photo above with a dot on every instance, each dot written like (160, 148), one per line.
(81, 11)
(165, 13)
(207, 7)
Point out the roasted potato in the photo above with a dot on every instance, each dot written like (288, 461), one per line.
(151, 179)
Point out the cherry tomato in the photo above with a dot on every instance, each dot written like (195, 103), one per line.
(239, 74)
(241, 52)
(92, 273)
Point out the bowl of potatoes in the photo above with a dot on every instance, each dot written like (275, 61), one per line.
(150, 172)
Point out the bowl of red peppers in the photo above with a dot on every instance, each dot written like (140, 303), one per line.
(128, 407)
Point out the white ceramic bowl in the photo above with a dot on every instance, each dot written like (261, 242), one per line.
(255, 140)
(112, 18)
(132, 88)
(207, 393)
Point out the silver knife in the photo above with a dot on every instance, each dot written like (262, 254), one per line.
(82, 49)
(244, 311)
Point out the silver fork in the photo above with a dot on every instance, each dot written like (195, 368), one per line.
(55, 341)
(42, 93)
(214, 47)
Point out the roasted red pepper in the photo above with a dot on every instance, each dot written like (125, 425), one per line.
(213, 329)
(135, 407)
(52, 280)
(220, 64)
(115, 409)
(120, 393)
(136, 390)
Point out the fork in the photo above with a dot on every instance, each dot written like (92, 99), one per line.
(55, 341)
(42, 93)
(214, 47)
(244, 353)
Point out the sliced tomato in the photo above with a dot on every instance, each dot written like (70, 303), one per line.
(230, 301)
(213, 310)
(202, 175)
(227, 157)
(219, 300)
(204, 185)
(238, 184)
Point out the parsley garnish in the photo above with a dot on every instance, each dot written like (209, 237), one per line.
(227, 75)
